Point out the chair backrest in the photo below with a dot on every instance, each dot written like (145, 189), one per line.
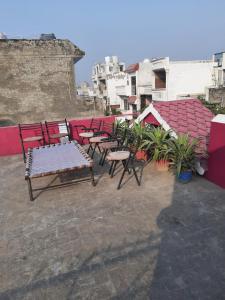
(96, 124)
(55, 126)
(108, 127)
(32, 129)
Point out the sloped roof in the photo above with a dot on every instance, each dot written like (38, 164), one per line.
(132, 68)
(183, 117)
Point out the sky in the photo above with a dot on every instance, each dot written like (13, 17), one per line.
(131, 29)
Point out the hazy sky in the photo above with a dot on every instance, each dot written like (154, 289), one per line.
(130, 29)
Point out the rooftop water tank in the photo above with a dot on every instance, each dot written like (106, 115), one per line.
(47, 36)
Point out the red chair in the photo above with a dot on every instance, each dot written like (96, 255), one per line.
(30, 133)
(57, 130)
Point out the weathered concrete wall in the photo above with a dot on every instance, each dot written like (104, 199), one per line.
(37, 80)
(216, 95)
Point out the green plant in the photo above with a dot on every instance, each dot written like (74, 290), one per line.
(137, 134)
(120, 127)
(115, 111)
(157, 142)
(106, 112)
(215, 108)
(183, 154)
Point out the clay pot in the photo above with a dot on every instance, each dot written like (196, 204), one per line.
(141, 155)
(162, 165)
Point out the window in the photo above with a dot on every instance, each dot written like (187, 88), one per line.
(133, 85)
(125, 103)
(160, 79)
(218, 57)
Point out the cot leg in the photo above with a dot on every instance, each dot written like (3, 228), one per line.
(30, 189)
(92, 176)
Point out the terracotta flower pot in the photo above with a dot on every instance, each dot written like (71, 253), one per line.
(162, 165)
(141, 155)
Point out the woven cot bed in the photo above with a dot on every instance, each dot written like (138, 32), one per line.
(56, 159)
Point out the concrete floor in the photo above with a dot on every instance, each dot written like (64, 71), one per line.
(163, 240)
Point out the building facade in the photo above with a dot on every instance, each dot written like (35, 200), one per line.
(216, 92)
(106, 77)
(37, 79)
(132, 89)
(173, 80)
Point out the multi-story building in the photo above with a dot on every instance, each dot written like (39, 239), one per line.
(137, 87)
(173, 80)
(104, 77)
(216, 92)
(85, 90)
(130, 90)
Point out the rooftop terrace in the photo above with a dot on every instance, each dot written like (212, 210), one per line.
(163, 240)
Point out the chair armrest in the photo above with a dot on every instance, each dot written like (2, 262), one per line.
(109, 139)
(101, 133)
(121, 148)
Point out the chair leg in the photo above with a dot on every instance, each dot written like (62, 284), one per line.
(124, 165)
(124, 170)
(101, 158)
(135, 174)
(104, 158)
(114, 168)
(89, 148)
(93, 152)
(110, 169)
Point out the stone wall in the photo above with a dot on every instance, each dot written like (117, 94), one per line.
(217, 95)
(37, 80)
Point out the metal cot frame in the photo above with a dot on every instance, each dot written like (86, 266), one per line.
(28, 176)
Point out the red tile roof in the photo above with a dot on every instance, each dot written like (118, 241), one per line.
(132, 68)
(189, 117)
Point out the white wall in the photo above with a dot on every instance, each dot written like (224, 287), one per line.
(144, 74)
(184, 78)
(114, 81)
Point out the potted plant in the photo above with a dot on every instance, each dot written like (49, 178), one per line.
(183, 157)
(137, 135)
(156, 141)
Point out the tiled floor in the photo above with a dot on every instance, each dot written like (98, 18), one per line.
(163, 240)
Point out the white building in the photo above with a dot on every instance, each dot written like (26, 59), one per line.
(216, 92)
(131, 89)
(219, 69)
(105, 77)
(84, 90)
(137, 88)
(173, 80)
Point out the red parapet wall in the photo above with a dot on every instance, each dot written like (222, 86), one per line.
(10, 140)
(216, 150)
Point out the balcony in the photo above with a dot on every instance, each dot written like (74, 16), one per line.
(159, 94)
